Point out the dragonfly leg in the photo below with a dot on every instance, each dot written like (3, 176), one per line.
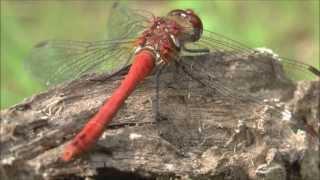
(107, 76)
(181, 66)
(156, 108)
(204, 50)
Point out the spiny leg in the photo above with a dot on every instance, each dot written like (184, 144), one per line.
(107, 76)
(182, 67)
(156, 108)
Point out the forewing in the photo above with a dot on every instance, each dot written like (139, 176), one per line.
(125, 22)
(54, 61)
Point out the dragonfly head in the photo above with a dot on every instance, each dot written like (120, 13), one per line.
(191, 23)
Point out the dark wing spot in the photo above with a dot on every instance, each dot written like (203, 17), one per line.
(115, 5)
(314, 71)
(41, 44)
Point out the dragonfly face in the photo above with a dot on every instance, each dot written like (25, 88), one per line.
(191, 23)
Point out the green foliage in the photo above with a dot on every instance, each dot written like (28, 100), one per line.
(291, 28)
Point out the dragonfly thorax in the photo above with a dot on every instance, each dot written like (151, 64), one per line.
(162, 38)
(166, 35)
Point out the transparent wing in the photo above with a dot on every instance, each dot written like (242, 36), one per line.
(241, 91)
(218, 43)
(219, 94)
(125, 22)
(55, 61)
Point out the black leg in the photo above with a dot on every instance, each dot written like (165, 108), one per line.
(204, 50)
(105, 77)
(157, 102)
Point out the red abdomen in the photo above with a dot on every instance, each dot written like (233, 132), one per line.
(142, 66)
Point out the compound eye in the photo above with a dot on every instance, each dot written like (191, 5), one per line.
(176, 12)
(191, 17)
(196, 23)
(189, 11)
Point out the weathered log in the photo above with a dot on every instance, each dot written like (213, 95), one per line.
(226, 124)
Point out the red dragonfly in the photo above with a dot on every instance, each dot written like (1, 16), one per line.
(162, 40)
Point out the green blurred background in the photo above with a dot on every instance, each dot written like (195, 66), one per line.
(290, 28)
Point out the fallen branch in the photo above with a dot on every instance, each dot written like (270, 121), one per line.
(205, 132)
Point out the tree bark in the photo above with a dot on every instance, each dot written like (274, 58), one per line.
(222, 116)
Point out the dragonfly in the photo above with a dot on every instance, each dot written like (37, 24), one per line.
(145, 43)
